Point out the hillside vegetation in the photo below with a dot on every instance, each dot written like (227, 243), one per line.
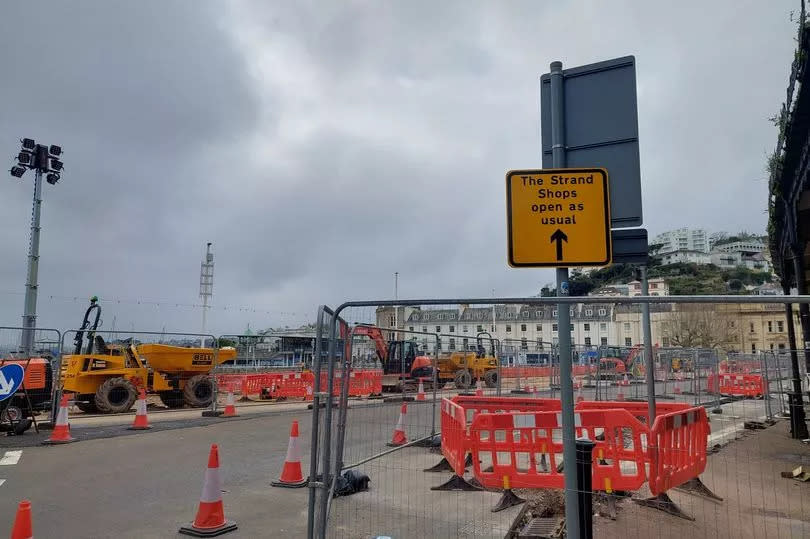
(682, 279)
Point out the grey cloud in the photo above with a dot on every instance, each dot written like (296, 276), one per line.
(323, 146)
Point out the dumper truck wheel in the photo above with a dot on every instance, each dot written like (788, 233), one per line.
(115, 395)
(172, 399)
(463, 379)
(491, 378)
(87, 407)
(199, 391)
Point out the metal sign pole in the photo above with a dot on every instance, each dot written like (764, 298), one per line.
(564, 321)
(648, 348)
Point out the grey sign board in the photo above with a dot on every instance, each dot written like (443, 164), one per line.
(601, 130)
(630, 245)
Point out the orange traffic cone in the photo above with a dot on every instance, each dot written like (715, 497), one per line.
(22, 522)
(399, 437)
(230, 407)
(580, 398)
(244, 390)
(210, 520)
(479, 389)
(141, 419)
(420, 393)
(61, 429)
(291, 475)
(677, 387)
(620, 396)
(625, 381)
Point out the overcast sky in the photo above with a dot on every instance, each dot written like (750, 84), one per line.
(322, 146)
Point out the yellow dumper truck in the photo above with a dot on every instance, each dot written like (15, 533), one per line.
(106, 378)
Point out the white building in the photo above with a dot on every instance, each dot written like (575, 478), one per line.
(611, 290)
(752, 261)
(683, 256)
(658, 287)
(750, 253)
(529, 328)
(690, 239)
(752, 245)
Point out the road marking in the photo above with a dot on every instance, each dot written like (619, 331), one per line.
(2, 481)
(10, 458)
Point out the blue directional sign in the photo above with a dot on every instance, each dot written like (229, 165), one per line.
(11, 378)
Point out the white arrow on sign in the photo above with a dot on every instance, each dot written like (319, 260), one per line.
(5, 385)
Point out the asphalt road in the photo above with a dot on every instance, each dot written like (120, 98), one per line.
(148, 484)
(116, 483)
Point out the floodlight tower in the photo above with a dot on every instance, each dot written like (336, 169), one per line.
(206, 285)
(41, 159)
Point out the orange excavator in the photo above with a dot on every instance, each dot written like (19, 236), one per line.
(402, 361)
(404, 364)
(615, 362)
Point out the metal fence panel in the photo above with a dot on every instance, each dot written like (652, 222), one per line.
(36, 393)
(401, 501)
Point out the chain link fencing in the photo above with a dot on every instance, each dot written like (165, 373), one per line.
(396, 440)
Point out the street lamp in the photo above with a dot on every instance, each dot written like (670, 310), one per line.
(42, 160)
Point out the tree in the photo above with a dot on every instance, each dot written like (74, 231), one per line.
(699, 326)
(548, 291)
(654, 248)
(735, 285)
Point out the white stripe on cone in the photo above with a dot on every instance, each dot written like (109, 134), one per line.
(62, 416)
(293, 451)
(212, 487)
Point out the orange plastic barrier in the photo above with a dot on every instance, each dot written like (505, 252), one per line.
(741, 385)
(518, 444)
(363, 383)
(247, 384)
(543, 372)
(230, 380)
(677, 448)
(476, 405)
(639, 410)
(454, 435)
(295, 385)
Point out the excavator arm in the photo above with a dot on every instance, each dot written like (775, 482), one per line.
(375, 334)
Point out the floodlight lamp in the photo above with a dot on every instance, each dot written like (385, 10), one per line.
(55, 150)
(28, 143)
(25, 158)
(56, 165)
(52, 178)
(17, 172)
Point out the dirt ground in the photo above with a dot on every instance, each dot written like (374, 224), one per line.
(757, 501)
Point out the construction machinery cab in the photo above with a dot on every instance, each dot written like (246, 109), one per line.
(479, 341)
(404, 357)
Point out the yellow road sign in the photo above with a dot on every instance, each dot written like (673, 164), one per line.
(558, 217)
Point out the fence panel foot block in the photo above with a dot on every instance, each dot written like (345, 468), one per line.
(664, 503)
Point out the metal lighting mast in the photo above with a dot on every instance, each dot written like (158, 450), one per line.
(42, 160)
(396, 309)
(206, 285)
